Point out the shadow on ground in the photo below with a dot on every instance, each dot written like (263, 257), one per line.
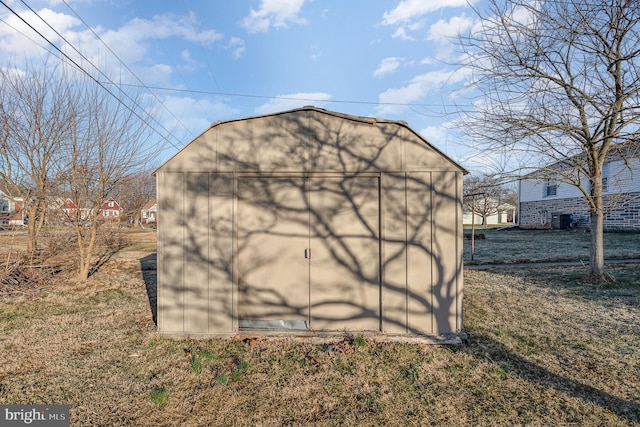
(485, 348)
(149, 267)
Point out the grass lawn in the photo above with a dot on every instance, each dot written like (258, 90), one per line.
(515, 245)
(544, 348)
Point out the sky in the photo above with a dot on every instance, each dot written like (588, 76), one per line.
(195, 62)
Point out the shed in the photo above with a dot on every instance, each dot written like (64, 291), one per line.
(309, 221)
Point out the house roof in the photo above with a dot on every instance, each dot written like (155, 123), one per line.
(361, 119)
(149, 204)
(105, 204)
(619, 151)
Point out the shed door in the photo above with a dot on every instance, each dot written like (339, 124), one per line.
(273, 233)
(309, 250)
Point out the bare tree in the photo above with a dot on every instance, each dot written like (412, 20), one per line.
(560, 85)
(134, 191)
(35, 108)
(487, 196)
(107, 143)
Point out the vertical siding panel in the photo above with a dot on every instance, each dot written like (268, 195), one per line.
(196, 220)
(394, 253)
(459, 253)
(171, 255)
(221, 252)
(420, 249)
(445, 251)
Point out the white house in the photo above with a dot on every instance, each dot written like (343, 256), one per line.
(554, 204)
(149, 212)
(503, 213)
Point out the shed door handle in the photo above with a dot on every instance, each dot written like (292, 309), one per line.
(307, 253)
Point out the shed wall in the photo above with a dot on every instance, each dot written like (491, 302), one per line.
(308, 141)
(418, 278)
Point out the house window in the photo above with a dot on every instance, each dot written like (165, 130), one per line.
(550, 189)
(605, 179)
(110, 204)
(605, 176)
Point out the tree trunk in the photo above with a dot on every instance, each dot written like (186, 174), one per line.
(596, 258)
(86, 250)
(32, 233)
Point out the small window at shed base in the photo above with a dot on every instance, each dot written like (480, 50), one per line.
(272, 325)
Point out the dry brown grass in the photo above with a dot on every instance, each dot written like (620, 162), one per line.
(544, 349)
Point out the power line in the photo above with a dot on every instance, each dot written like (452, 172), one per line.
(293, 98)
(175, 67)
(99, 71)
(126, 66)
(29, 38)
(74, 63)
(206, 58)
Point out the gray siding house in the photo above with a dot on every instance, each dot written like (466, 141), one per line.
(307, 222)
(555, 204)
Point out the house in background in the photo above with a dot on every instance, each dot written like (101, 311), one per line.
(60, 211)
(64, 211)
(498, 213)
(11, 210)
(110, 211)
(559, 205)
(149, 212)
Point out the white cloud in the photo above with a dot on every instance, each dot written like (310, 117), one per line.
(442, 31)
(191, 115)
(294, 100)
(315, 52)
(191, 64)
(419, 87)
(171, 25)
(14, 34)
(237, 46)
(131, 42)
(273, 13)
(435, 134)
(387, 66)
(158, 73)
(132, 36)
(401, 34)
(409, 10)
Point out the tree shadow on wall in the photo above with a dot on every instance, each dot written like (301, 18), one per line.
(349, 232)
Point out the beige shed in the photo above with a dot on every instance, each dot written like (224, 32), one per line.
(309, 221)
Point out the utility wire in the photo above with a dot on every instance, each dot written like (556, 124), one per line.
(291, 98)
(206, 58)
(175, 67)
(127, 67)
(30, 39)
(88, 74)
(102, 73)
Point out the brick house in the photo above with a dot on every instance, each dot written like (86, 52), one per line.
(11, 210)
(65, 211)
(110, 211)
